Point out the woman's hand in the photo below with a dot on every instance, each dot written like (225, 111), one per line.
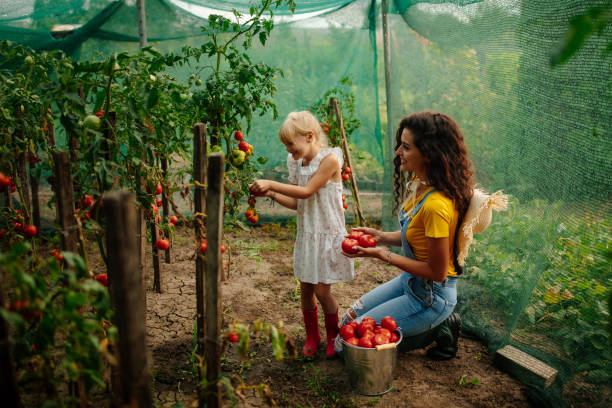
(374, 252)
(376, 234)
(260, 187)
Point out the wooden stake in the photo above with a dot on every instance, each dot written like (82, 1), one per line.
(166, 206)
(122, 247)
(35, 200)
(334, 105)
(64, 196)
(8, 377)
(214, 269)
(157, 279)
(199, 200)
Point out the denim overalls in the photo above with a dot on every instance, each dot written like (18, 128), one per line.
(417, 304)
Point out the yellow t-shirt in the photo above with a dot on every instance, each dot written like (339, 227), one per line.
(437, 218)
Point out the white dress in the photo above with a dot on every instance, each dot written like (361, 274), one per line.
(317, 256)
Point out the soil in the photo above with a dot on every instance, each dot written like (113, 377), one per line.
(260, 285)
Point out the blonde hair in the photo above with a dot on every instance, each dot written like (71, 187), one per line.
(301, 123)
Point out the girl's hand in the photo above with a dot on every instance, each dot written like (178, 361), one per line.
(374, 252)
(260, 187)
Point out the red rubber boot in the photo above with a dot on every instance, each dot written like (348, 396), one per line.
(311, 322)
(331, 329)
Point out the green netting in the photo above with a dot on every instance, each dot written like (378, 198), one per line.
(539, 277)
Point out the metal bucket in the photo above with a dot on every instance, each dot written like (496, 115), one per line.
(371, 370)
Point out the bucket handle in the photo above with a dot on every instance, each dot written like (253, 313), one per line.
(386, 346)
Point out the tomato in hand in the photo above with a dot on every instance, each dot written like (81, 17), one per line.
(367, 241)
(348, 244)
(356, 234)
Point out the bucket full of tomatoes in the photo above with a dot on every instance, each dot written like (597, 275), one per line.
(370, 354)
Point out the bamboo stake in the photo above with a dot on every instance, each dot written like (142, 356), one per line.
(334, 105)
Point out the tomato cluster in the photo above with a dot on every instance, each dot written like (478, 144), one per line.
(251, 213)
(325, 127)
(344, 204)
(346, 171)
(357, 238)
(243, 152)
(368, 333)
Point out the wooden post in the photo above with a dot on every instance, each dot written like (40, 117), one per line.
(35, 200)
(122, 247)
(8, 377)
(141, 235)
(166, 206)
(199, 202)
(24, 184)
(214, 269)
(334, 104)
(64, 196)
(157, 279)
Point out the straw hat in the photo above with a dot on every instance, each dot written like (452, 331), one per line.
(477, 219)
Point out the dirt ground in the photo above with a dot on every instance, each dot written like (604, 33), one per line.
(261, 285)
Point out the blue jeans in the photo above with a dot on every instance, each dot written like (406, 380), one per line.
(416, 304)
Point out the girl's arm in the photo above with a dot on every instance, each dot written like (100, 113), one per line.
(435, 269)
(283, 200)
(328, 167)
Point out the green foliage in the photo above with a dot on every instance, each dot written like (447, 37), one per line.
(58, 315)
(567, 308)
(581, 27)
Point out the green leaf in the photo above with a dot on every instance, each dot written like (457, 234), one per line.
(153, 98)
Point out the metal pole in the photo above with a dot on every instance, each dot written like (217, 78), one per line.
(142, 24)
(390, 137)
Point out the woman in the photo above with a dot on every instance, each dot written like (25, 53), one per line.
(431, 155)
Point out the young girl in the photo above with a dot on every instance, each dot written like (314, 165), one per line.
(316, 193)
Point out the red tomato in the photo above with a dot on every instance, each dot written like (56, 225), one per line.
(158, 189)
(159, 203)
(162, 244)
(252, 201)
(383, 331)
(30, 231)
(249, 212)
(345, 176)
(232, 336)
(347, 331)
(343, 198)
(353, 323)
(203, 246)
(244, 146)
(380, 339)
(344, 205)
(87, 201)
(354, 341)
(347, 170)
(100, 113)
(254, 219)
(367, 241)
(173, 220)
(348, 244)
(363, 328)
(365, 342)
(5, 181)
(356, 234)
(369, 320)
(389, 323)
(222, 249)
(103, 279)
(394, 338)
(238, 136)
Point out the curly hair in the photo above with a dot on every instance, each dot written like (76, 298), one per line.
(449, 169)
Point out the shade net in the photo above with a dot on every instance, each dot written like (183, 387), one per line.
(539, 277)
